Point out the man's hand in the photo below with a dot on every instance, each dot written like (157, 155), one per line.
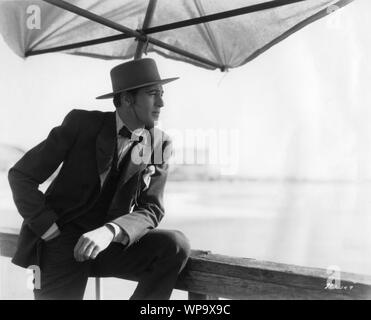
(92, 243)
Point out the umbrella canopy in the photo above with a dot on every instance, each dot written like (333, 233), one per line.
(209, 33)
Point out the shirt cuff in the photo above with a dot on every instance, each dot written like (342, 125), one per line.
(119, 235)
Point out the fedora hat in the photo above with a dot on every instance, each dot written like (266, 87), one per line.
(134, 74)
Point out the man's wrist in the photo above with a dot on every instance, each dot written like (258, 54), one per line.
(111, 228)
(120, 234)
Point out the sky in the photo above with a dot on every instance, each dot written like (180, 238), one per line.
(301, 110)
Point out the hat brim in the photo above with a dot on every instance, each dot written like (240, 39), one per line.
(163, 81)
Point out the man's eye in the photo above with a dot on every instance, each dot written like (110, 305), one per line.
(155, 94)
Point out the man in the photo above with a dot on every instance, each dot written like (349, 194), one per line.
(98, 216)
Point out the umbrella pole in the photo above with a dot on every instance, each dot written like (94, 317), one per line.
(116, 26)
(147, 21)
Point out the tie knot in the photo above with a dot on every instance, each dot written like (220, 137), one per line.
(125, 132)
(132, 136)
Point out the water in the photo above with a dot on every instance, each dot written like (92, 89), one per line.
(302, 223)
(309, 224)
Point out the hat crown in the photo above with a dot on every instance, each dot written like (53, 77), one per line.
(133, 74)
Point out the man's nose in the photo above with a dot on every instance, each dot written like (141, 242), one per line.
(159, 102)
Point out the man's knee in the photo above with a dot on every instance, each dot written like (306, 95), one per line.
(177, 243)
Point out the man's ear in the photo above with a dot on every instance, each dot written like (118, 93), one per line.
(124, 98)
(128, 98)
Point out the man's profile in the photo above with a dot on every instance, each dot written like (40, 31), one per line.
(99, 215)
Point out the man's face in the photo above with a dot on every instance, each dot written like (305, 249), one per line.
(148, 102)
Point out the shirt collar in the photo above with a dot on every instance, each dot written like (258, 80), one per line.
(119, 124)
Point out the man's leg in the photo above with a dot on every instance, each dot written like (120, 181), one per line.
(62, 277)
(155, 261)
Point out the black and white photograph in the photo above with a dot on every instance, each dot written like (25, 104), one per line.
(185, 150)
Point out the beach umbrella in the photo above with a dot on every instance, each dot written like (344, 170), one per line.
(207, 33)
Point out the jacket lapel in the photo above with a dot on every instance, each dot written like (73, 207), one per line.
(132, 167)
(106, 144)
(140, 154)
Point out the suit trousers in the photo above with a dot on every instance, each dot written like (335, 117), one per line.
(155, 261)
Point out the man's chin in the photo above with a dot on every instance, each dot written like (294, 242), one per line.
(151, 124)
(154, 122)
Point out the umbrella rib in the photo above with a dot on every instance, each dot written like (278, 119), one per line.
(140, 36)
(207, 33)
(221, 15)
(78, 44)
(170, 26)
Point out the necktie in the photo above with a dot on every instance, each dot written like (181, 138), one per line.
(125, 132)
(133, 140)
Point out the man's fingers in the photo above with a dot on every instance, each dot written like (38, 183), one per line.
(82, 250)
(89, 250)
(77, 246)
(94, 253)
(80, 247)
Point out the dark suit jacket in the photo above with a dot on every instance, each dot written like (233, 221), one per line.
(84, 144)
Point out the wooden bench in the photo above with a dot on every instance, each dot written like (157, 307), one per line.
(209, 276)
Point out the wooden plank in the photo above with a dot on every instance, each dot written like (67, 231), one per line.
(241, 278)
(236, 288)
(210, 265)
(196, 296)
(216, 263)
(10, 231)
(8, 241)
(200, 296)
(211, 275)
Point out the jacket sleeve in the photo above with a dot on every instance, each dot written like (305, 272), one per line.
(149, 208)
(34, 168)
